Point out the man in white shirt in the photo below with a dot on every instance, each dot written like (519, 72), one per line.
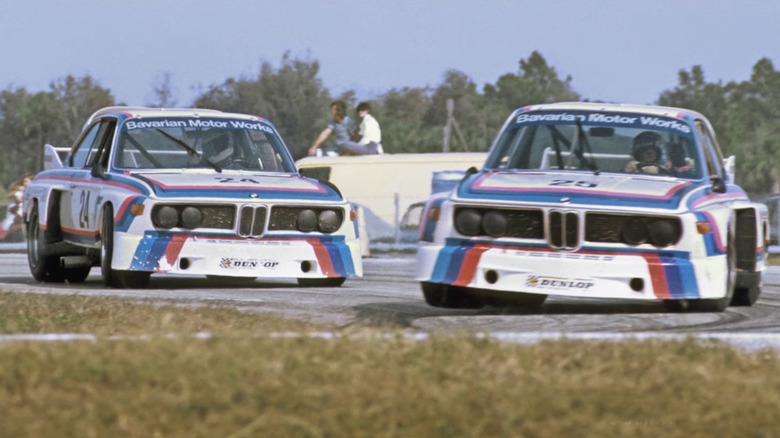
(369, 133)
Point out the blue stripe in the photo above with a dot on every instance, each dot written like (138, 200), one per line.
(149, 251)
(680, 277)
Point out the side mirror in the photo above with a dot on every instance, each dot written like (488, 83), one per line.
(98, 171)
(718, 185)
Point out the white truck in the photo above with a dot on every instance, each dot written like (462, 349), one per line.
(386, 185)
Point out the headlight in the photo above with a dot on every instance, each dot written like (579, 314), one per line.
(191, 217)
(307, 221)
(328, 221)
(468, 222)
(494, 223)
(166, 217)
(634, 231)
(664, 232)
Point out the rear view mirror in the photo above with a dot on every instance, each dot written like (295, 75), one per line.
(601, 131)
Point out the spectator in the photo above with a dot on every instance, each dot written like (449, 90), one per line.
(341, 126)
(11, 226)
(369, 133)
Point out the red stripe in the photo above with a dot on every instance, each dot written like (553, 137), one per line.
(657, 276)
(323, 257)
(469, 265)
(174, 248)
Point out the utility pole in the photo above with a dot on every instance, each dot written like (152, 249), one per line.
(452, 123)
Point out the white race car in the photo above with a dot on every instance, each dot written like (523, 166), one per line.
(185, 191)
(596, 200)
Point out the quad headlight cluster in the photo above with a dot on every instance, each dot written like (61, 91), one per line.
(633, 230)
(529, 224)
(193, 216)
(306, 219)
(326, 220)
(472, 221)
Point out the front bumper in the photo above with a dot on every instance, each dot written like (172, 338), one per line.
(273, 257)
(594, 273)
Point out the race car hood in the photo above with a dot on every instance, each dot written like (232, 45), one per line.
(237, 186)
(577, 188)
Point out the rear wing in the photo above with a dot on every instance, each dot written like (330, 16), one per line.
(53, 156)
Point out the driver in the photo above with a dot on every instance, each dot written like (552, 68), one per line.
(647, 154)
(219, 150)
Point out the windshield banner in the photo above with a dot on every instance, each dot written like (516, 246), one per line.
(131, 125)
(601, 119)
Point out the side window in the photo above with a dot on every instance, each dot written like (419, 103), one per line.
(105, 144)
(711, 151)
(82, 150)
(95, 145)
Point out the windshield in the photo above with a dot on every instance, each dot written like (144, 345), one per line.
(218, 143)
(597, 142)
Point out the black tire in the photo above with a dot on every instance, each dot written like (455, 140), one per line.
(231, 281)
(748, 289)
(77, 275)
(321, 282)
(513, 299)
(44, 267)
(449, 297)
(113, 277)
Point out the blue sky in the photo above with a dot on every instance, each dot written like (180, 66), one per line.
(616, 50)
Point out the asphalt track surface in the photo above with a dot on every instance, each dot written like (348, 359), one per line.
(387, 296)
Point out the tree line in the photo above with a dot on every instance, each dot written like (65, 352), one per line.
(292, 96)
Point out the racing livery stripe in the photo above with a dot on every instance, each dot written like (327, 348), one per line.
(481, 185)
(112, 180)
(672, 276)
(469, 265)
(323, 257)
(173, 249)
(429, 225)
(309, 187)
(156, 249)
(584, 198)
(123, 218)
(712, 242)
(703, 198)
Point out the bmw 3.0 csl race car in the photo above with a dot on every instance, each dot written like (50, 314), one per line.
(596, 200)
(195, 192)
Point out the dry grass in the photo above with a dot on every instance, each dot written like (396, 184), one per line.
(30, 313)
(362, 384)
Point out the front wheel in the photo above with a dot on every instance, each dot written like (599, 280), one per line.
(449, 297)
(748, 289)
(113, 277)
(43, 266)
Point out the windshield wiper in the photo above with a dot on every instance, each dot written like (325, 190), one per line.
(582, 140)
(190, 150)
(143, 151)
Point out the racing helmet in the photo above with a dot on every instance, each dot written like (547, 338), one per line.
(218, 149)
(647, 140)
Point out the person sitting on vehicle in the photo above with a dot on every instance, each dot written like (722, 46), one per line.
(647, 154)
(369, 133)
(341, 126)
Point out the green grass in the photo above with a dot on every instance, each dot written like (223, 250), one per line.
(241, 382)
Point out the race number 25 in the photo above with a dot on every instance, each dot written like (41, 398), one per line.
(573, 183)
